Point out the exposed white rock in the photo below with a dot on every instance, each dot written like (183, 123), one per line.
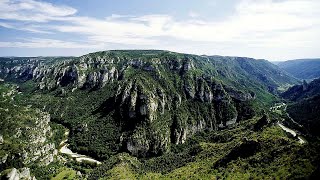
(1, 139)
(20, 174)
(232, 121)
(24, 173)
(47, 159)
(4, 159)
(13, 174)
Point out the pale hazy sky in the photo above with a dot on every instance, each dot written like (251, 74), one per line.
(268, 29)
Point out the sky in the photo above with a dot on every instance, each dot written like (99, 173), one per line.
(263, 29)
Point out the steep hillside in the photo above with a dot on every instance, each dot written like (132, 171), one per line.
(141, 109)
(302, 68)
(303, 91)
(26, 137)
(242, 152)
(236, 71)
(305, 106)
(158, 97)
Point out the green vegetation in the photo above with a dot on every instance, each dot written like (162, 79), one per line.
(207, 156)
(149, 115)
(65, 174)
(304, 105)
(302, 68)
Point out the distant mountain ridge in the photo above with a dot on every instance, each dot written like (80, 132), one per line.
(302, 68)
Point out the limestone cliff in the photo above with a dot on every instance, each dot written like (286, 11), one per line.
(161, 98)
(25, 133)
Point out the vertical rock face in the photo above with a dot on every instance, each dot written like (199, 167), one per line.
(17, 174)
(68, 76)
(39, 149)
(152, 117)
(83, 75)
(140, 109)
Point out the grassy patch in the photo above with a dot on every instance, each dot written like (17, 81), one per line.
(65, 174)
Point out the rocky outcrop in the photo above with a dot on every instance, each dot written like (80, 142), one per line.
(160, 98)
(152, 118)
(27, 132)
(17, 174)
(1, 139)
(38, 148)
(240, 96)
(180, 132)
(263, 121)
(304, 107)
(140, 109)
(303, 91)
(86, 71)
(34, 138)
